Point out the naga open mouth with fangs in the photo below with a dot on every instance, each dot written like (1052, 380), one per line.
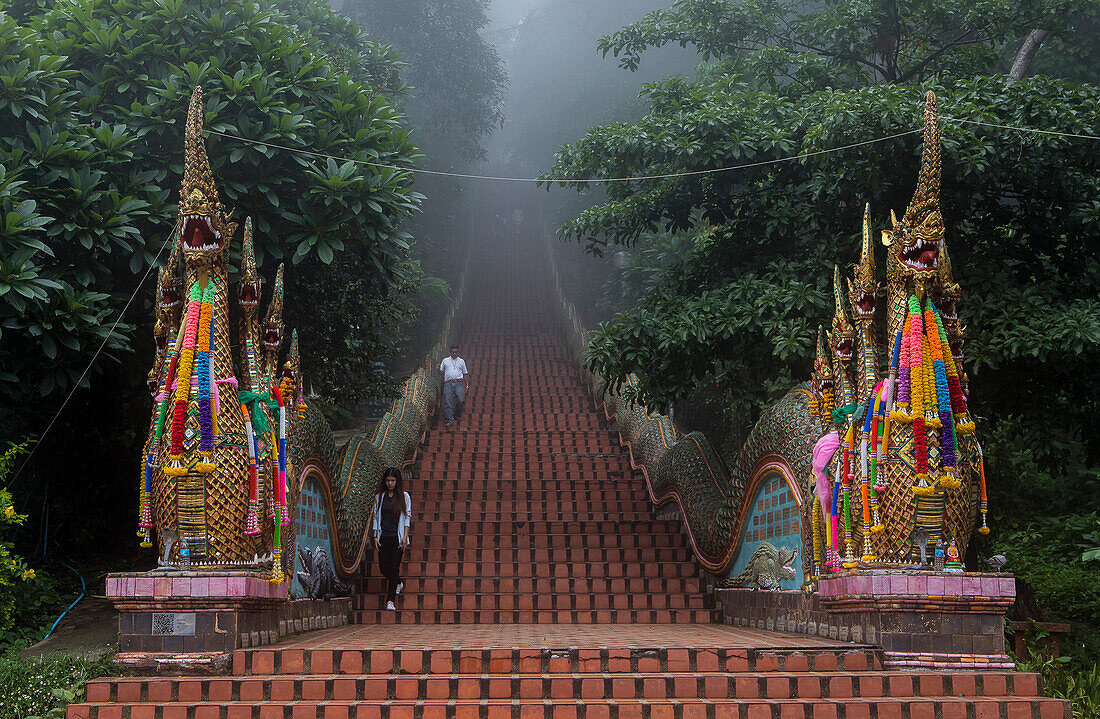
(273, 337)
(923, 255)
(842, 337)
(200, 236)
(249, 297)
(843, 346)
(169, 298)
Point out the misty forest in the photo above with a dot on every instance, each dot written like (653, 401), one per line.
(695, 169)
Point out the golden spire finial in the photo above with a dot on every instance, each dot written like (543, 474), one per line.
(196, 164)
(926, 198)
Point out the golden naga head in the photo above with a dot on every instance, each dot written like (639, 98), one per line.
(916, 240)
(842, 337)
(946, 294)
(273, 320)
(249, 295)
(822, 385)
(204, 227)
(863, 292)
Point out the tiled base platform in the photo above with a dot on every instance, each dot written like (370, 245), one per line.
(920, 619)
(208, 613)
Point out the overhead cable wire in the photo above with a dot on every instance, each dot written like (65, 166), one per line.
(1022, 129)
(551, 180)
(634, 178)
(106, 339)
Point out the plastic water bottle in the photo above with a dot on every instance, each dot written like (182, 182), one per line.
(185, 555)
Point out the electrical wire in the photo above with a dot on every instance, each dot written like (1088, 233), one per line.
(106, 338)
(635, 178)
(561, 180)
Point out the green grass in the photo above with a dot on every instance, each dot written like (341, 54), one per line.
(43, 687)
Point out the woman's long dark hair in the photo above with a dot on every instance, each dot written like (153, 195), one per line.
(398, 490)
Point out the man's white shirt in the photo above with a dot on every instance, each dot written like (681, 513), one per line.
(453, 368)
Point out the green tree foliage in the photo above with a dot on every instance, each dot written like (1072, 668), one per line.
(93, 109)
(729, 312)
(457, 78)
(811, 46)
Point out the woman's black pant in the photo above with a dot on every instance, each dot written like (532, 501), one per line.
(389, 562)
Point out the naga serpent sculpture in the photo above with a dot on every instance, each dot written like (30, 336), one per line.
(232, 440)
(869, 455)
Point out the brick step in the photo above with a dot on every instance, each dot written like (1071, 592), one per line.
(440, 536)
(542, 660)
(564, 685)
(542, 527)
(521, 435)
(540, 452)
(415, 567)
(462, 509)
(499, 491)
(426, 483)
(524, 422)
(559, 472)
(581, 585)
(637, 514)
(466, 473)
(520, 601)
(583, 555)
(537, 708)
(536, 616)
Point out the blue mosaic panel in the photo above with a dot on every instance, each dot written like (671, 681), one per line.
(313, 530)
(773, 519)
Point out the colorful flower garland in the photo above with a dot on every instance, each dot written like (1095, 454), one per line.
(183, 383)
(205, 383)
(252, 521)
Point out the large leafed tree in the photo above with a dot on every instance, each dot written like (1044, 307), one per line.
(93, 101)
(727, 273)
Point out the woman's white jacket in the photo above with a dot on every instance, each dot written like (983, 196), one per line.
(402, 521)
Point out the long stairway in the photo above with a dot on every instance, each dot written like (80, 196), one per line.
(526, 510)
(541, 586)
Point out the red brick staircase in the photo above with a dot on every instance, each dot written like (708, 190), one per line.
(541, 586)
(527, 511)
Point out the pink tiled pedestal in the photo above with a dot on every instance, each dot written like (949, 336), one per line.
(196, 617)
(926, 619)
(918, 618)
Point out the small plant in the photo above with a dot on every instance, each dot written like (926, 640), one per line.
(42, 688)
(1062, 680)
(14, 572)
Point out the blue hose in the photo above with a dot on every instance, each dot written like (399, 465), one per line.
(83, 588)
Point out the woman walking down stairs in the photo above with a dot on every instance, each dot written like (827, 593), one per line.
(540, 585)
